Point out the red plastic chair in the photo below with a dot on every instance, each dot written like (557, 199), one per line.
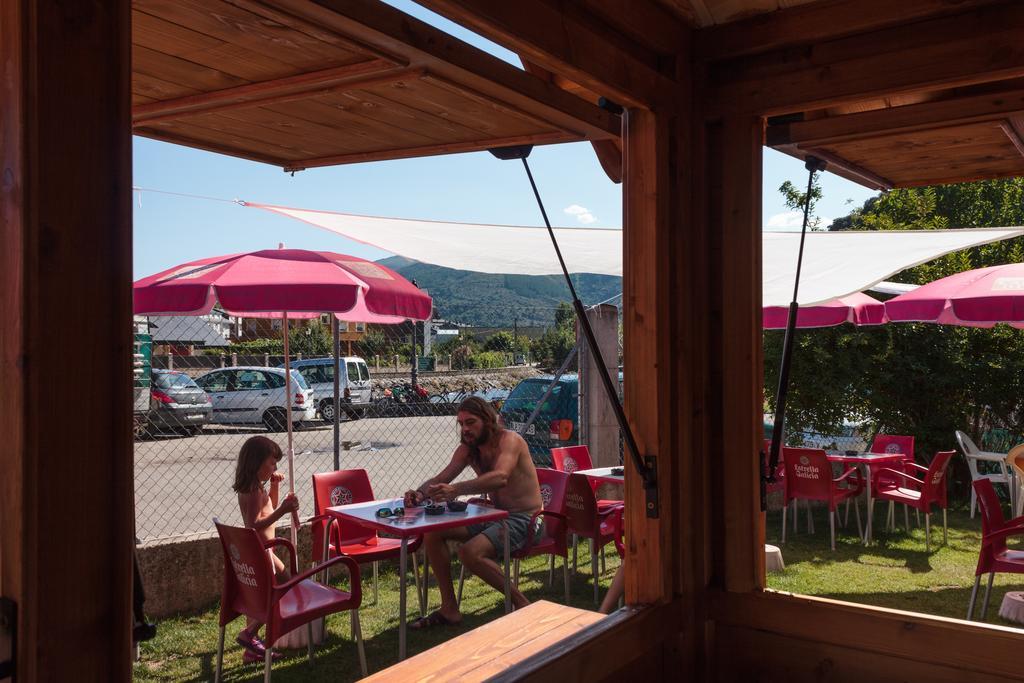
(893, 443)
(361, 544)
(920, 494)
(555, 538)
(809, 477)
(994, 556)
(587, 521)
(250, 589)
(571, 459)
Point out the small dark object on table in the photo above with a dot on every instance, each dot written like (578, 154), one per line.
(435, 509)
(457, 505)
(618, 471)
(852, 453)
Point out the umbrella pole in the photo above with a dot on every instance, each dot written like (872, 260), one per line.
(337, 387)
(770, 461)
(288, 421)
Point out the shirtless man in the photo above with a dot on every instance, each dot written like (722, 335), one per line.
(501, 460)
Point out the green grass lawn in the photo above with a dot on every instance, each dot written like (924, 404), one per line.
(185, 648)
(894, 571)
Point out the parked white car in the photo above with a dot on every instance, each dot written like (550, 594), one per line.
(256, 395)
(353, 384)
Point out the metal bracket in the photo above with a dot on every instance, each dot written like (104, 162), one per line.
(651, 487)
(8, 637)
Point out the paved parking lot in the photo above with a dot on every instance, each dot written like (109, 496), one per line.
(181, 483)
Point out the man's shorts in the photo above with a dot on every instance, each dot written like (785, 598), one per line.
(518, 530)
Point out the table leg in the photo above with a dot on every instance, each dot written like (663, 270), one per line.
(867, 526)
(403, 565)
(508, 587)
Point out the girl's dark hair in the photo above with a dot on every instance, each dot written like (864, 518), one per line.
(254, 451)
(474, 405)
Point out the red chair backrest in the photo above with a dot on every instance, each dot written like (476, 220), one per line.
(808, 474)
(571, 458)
(934, 489)
(341, 488)
(553, 485)
(991, 511)
(248, 573)
(892, 443)
(580, 506)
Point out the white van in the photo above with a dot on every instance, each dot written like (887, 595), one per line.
(353, 385)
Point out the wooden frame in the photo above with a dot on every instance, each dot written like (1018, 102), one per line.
(66, 500)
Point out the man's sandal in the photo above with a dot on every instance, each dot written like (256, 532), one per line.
(431, 620)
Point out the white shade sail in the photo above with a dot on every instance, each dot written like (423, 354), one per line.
(835, 263)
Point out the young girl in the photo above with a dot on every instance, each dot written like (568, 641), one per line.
(257, 464)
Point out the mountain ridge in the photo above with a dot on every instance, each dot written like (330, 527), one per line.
(500, 300)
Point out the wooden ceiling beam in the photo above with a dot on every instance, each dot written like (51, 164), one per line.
(566, 43)
(978, 46)
(815, 22)
(1015, 132)
(348, 77)
(841, 167)
(433, 150)
(897, 120)
(395, 32)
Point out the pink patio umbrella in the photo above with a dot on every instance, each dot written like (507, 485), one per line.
(857, 308)
(975, 298)
(284, 283)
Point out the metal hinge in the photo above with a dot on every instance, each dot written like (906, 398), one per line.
(8, 637)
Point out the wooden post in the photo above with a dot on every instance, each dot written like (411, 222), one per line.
(234, 358)
(65, 222)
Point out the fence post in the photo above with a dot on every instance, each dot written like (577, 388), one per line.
(266, 360)
(170, 359)
(222, 364)
(376, 361)
(234, 358)
(298, 356)
(396, 362)
(449, 362)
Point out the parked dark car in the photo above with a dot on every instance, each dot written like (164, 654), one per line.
(177, 403)
(557, 424)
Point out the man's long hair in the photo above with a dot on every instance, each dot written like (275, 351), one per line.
(478, 407)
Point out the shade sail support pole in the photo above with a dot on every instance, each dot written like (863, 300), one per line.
(769, 461)
(646, 466)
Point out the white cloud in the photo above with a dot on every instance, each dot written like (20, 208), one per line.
(582, 213)
(792, 220)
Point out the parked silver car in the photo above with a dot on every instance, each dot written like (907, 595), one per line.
(177, 403)
(256, 395)
(353, 384)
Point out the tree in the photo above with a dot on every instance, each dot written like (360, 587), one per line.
(312, 339)
(500, 341)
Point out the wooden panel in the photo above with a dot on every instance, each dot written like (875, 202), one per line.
(905, 119)
(744, 654)
(938, 53)
(494, 647)
(979, 150)
(914, 638)
(816, 22)
(66, 500)
(310, 48)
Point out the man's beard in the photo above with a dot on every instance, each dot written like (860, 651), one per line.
(484, 437)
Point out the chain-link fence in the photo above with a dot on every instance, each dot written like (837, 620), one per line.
(213, 382)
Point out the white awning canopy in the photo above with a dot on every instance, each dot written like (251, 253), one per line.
(835, 263)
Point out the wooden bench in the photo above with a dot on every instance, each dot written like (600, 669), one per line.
(493, 647)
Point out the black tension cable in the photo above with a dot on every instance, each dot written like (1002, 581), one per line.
(769, 462)
(646, 466)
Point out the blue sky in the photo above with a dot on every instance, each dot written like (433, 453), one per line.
(169, 230)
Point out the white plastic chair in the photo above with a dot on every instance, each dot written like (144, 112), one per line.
(1015, 461)
(973, 455)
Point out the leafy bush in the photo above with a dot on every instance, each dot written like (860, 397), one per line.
(488, 359)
